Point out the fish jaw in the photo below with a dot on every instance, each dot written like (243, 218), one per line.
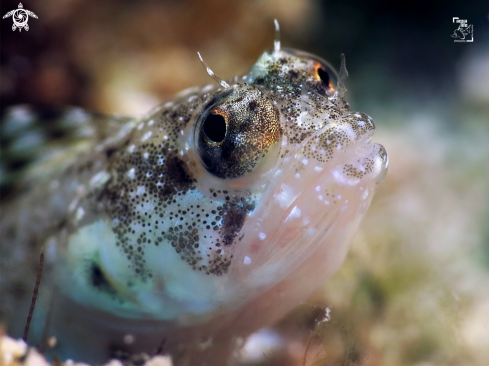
(322, 184)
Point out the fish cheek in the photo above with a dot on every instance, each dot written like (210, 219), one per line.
(233, 220)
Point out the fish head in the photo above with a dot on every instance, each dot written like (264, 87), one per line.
(227, 194)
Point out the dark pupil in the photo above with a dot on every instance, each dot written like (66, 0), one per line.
(215, 127)
(323, 75)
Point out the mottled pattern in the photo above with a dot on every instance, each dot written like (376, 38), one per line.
(204, 205)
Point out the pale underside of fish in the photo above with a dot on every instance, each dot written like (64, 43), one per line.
(208, 218)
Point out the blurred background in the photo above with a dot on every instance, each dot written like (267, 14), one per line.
(414, 289)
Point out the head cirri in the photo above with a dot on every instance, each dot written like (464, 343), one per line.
(219, 203)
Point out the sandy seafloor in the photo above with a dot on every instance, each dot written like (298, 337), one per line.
(414, 289)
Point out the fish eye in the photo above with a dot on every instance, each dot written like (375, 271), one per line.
(317, 68)
(236, 132)
(214, 128)
(325, 76)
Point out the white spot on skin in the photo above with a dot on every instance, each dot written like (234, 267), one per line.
(318, 188)
(146, 155)
(318, 169)
(131, 173)
(165, 137)
(150, 123)
(167, 104)
(365, 194)
(297, 175)
(131, 148)
(305, 161)
(141, 125)
(146, 136)
(73, 204)
(141, 190)
(262, 236)
(79, 214)
(285, 197)
(339, 176)
(247, 261)
(295, 213)
(320, 197)
(99, 179)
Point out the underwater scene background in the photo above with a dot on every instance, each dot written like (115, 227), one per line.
(414, 289)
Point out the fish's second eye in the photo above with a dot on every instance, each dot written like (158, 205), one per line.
(214, 128)
(324, 76)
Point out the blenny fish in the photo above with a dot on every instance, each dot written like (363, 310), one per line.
(195, 225)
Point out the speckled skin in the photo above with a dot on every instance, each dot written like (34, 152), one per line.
(150, 228)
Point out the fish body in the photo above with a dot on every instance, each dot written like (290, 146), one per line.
(211, 216)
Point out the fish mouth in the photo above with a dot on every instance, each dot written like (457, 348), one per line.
(338, 141)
